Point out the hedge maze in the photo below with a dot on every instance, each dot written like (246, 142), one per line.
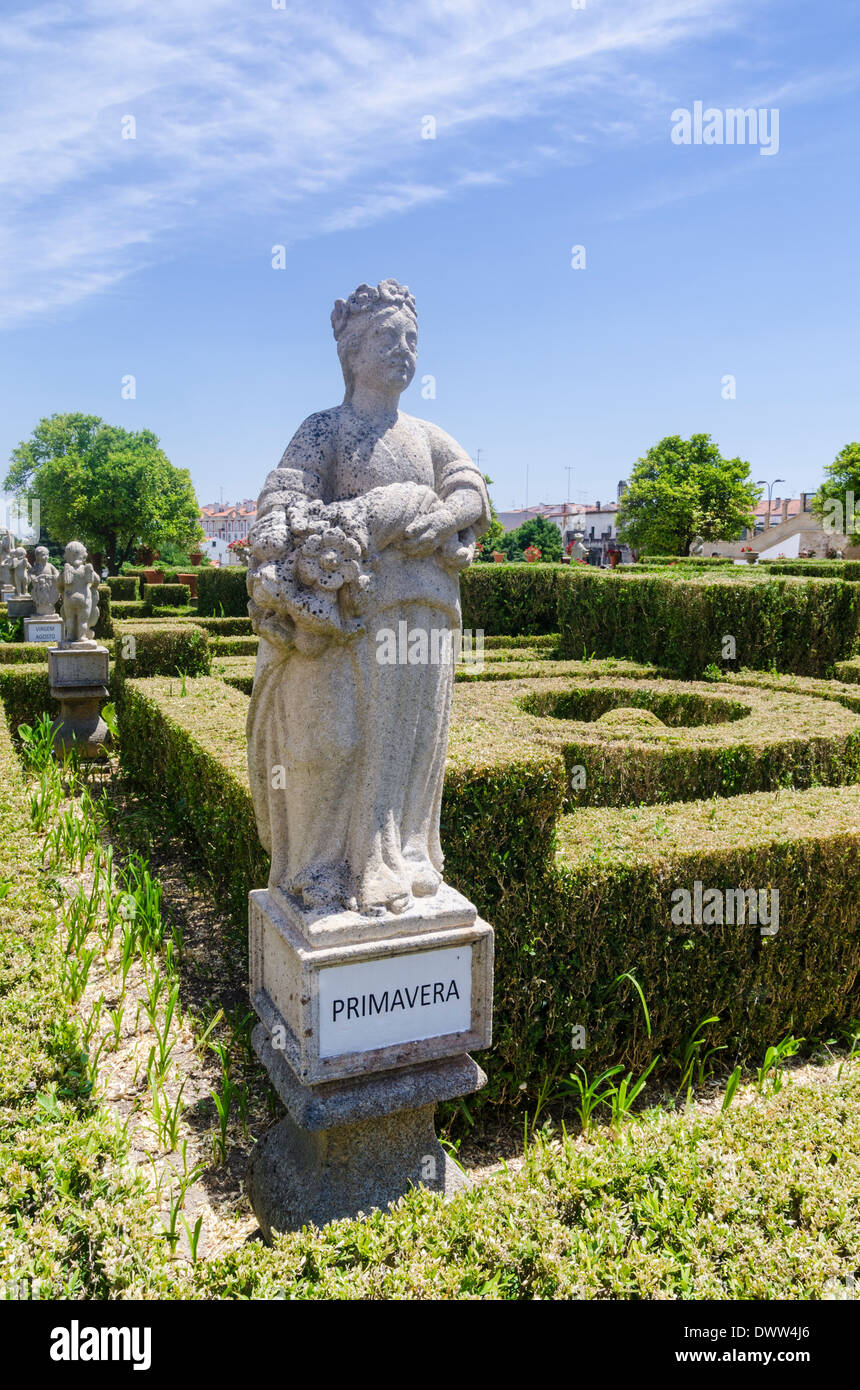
(607, 761)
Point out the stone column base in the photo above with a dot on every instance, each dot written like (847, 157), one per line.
(349, 1147)
(297, 1177)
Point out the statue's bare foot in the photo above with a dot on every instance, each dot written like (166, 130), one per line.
(425, 880)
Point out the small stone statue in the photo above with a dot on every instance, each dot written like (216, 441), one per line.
(578, 550)
(20, 566)
(78, 585)
(7, 545)
(43, 584)
(696, 546)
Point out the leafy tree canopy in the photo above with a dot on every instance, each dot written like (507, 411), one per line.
(841, 486)
(111, 488)
(683, 488)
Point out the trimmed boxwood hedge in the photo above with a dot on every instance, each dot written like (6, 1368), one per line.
(694, 561)
(816, 569)
(234, 646)
(26, 693)
(713, 740)
(168, 649)
(514, 599)
(120, 608)
(123, 587)
(797, 625)
(848, 671)
(167, 595)
(223, 592)
(575, 901)
(226, 627)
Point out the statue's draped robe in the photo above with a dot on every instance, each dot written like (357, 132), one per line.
(361, 743)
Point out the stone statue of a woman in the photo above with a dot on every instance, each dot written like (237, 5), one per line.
(361, 533)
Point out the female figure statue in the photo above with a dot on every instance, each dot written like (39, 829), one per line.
(361, 533)
(20, 571)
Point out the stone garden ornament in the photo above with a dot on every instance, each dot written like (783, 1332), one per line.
(371, 976)
(78, 585)
(43, 584)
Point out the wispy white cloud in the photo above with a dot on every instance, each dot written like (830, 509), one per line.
(311, 113)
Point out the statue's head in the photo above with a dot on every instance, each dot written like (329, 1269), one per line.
(41, 554)
(376, 331)
(75, 553)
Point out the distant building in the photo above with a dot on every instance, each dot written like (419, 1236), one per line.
(228, 523)
(599, 523)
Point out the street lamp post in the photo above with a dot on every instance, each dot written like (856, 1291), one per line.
(762, 482)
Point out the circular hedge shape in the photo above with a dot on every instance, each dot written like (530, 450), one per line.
(707, 745)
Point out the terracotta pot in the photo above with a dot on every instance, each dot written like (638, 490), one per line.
(145, 555)
(196, 557)
(190, 580)
(153, 576)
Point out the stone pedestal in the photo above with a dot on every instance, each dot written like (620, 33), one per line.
(44, 629)
(79, 676)
(20, 606)
(7, 592)
(364, 1026)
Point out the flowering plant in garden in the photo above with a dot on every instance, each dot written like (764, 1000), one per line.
(499, 556)
(532, 553)
(241, 549)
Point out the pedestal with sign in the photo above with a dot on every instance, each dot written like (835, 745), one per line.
(365, 1025)
(47, 631)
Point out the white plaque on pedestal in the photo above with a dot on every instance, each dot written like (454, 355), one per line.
(47, 631)
(379, 1003)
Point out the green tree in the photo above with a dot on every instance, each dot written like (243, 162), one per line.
(536, 531)
(111, 488)
(837, 501)
(494, 535)
(683, 488)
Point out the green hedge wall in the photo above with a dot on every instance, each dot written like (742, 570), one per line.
(797, 626)
(223, 592)
(815, 569)
(167, 595)
(226, 627)
(514, 600)
(694, 561)
(123, 587)
(134, 609)
(170, 649)
(575, 900)
(104, 626)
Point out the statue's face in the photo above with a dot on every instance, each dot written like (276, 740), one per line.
(387, 353)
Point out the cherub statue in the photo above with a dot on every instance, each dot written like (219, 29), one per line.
(43, 584)
(20, 566)
(696, 546)
(7, 545)
(78, 586)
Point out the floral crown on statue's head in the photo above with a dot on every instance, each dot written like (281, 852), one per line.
(388, 294)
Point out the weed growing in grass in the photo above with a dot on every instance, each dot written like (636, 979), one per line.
(771, 1074)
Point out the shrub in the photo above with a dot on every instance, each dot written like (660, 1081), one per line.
(121, 609)
(123, 587)
(848, 671)
(104, 626)
(512, 599)
(223, 592)
(701, 740)
(226, 627)
(575, 900)
(161, 650)
(680, 623)
(693, 561)
(167, 595)
(234, 646)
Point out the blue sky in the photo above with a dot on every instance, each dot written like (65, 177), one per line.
(301, 126)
